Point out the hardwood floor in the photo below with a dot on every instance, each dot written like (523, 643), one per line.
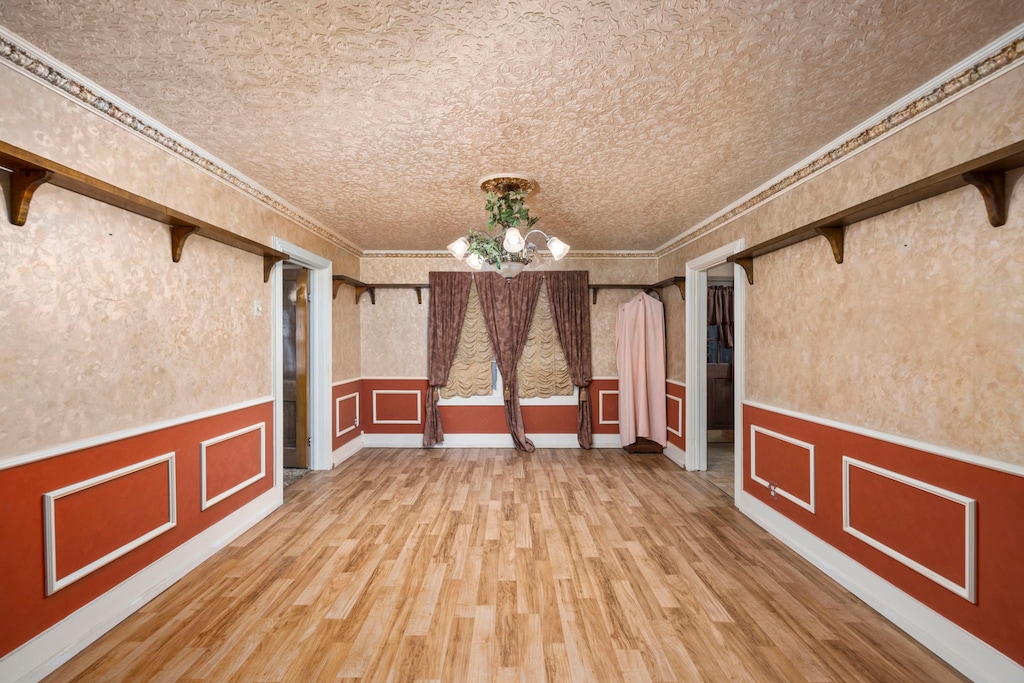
(493, 565)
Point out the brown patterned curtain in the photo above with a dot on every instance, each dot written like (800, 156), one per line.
(568, 292)
(449, 294)
(508, 309)
(720, 312)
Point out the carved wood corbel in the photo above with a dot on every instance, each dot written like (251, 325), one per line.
(24, 183)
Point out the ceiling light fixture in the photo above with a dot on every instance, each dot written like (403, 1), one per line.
(504, 246)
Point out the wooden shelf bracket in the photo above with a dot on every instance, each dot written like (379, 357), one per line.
(180, 233)
(268, 264)
(992, 187)
(747, 264)
(836, 239)
(24, 183)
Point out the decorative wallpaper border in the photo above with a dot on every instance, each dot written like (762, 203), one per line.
(48, 73)
(983, 69)
(51, 75)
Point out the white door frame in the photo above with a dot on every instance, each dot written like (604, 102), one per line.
(696, 355)
(321, 291)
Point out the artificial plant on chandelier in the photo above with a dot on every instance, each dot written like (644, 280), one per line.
(505, 246)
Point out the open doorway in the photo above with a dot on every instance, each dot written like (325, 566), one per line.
(319, 299)
(721, 417)
(714, 374)
(295, 370)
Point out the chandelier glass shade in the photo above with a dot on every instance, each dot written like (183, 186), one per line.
(505, 245)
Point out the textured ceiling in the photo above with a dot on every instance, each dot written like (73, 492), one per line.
(637, 118)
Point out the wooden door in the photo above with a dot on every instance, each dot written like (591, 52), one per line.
(720, 396)
(296, 364)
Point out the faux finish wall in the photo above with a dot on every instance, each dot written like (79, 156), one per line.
(919, 333)
(394, 331)
(99, 330)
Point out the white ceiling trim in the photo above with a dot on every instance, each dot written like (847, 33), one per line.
(25, 58)
(995, 59)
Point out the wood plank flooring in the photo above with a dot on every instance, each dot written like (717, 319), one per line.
(493, 565)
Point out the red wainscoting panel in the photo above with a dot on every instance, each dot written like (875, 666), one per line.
(941, 529)
(84, 525)
(101, 519)
(393, 406)
(783, 465)
(925, 527)
(232, 461)
(675, 405)
(604, 399)
(346, 400)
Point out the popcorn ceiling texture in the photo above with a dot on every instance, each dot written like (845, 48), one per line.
(638, 120)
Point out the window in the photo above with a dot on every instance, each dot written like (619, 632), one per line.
(543, 372)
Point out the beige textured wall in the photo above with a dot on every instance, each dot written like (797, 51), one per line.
(394, 331)
(99, 330)
(920, 333)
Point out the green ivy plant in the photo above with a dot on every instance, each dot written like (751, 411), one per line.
(504, 211)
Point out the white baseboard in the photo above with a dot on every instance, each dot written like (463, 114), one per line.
(486, 441)
(62, 641)
(347, 450)
(676, 454)
(607, 441)
(964, 651)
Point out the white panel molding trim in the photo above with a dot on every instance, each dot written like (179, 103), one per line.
(679, 414)
(968, 589)
(53, 647)
(203, 445)
(55, 583)
(600, 407)
(772, 486)
(964, 651)
(419, 407)
(92, 442)
(337, 414)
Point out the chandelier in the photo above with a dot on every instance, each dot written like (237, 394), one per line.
(505, 245)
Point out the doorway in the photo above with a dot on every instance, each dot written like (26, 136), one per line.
(721, 416)
(319, 326)
(295, 368)
(704, 396)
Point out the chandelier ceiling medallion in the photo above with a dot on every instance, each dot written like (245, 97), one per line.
(505, 245)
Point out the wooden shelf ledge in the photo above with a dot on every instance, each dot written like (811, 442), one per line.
(30, 171)
(987, 173)
(361, 287)
(678, 281)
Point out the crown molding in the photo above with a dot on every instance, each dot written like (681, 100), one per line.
(28, 60)
(995, 59)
